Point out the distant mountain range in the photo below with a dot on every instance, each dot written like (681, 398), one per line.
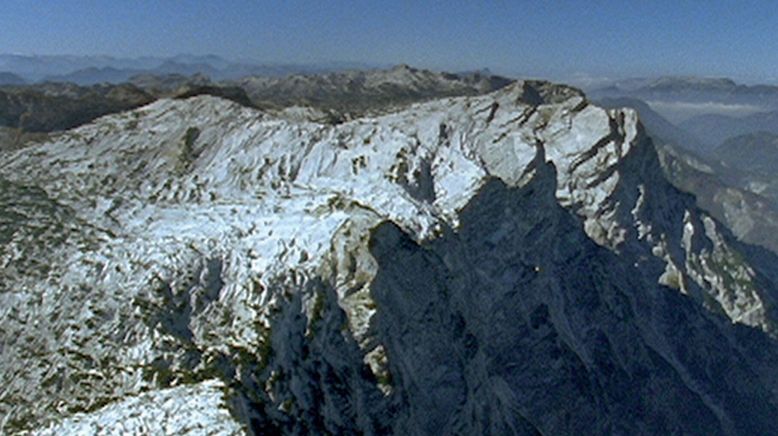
(705, 111)
(755, 156)
(332, 97)
(692, 89)
(357, 92)
(60, 107)
(715, 129)
(756, 152)
(89, 70)
(660, 127)
(736, 183)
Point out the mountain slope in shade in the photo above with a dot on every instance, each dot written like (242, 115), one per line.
(754, 158)
(10, 79)
(716, 129)
(50, 107)
(755, 153)
(692, 89)
(753, 217)
(506, 263)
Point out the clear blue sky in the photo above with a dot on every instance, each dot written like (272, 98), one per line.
(733, 38)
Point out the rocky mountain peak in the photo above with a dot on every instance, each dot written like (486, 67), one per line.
(468, 264)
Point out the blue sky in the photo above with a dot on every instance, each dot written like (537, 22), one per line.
(553, 38)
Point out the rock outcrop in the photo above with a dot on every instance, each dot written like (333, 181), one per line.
(506, 263)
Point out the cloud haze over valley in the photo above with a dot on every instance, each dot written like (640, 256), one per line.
(680, 111)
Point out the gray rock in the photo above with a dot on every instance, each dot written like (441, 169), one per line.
(510, 263)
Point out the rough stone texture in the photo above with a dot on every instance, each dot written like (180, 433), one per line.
(507, 263)
(184, 410)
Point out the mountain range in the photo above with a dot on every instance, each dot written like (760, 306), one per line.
(453, 255)
(92, 70)
(692, 89)
(706, 111)
(717, 129)
(56, 106)
(353, 93)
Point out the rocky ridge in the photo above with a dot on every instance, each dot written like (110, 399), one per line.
(737, 194)
(36, 109)
(60, 106)
(727, 194)
(352, 94)
(507, 263)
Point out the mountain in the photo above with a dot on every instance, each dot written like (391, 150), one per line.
(715, 129)
(483, 80)
(332, 97)
(732, 194)
(712, 110)
(34, 68)
(10, 79)
(187, 69)
(755, 157)
(50, 107)
(689, 84)
(168, 84)
(233, 93)
(756, 153)
(12, 139)
(509, 263)
(659, 127)
(94, 75)
(355, 93)
(92, 70)
(729, 196)
(692, 89)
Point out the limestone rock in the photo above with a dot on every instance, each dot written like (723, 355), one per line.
(506, 263)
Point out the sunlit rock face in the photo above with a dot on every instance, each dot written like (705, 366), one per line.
(507, 263)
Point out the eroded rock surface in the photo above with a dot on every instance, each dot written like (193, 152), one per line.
(507, 263)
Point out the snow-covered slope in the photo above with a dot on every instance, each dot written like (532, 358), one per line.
(513, 262)
(183, 410)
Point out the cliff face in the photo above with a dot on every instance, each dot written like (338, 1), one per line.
(506, 263)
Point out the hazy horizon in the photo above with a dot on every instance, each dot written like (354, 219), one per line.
(564, 39)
